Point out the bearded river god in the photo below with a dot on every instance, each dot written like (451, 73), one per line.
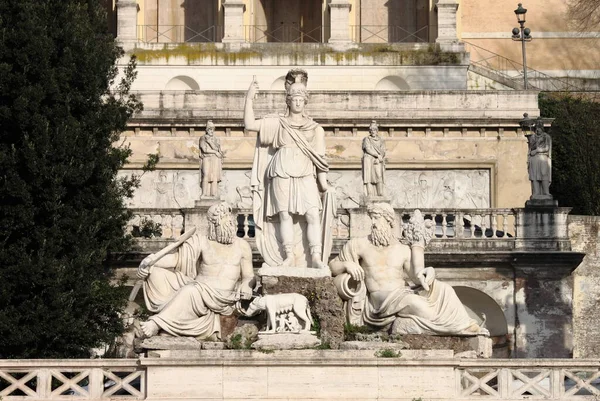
(385, 267)
(289, 173)
(205, 278)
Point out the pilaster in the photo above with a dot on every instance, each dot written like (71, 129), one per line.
(447, 22)
(127, 22)
(233, 14)
(339, 21)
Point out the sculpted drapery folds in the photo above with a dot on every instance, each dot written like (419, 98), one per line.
(540, 161)
(373, 162)
(288, 174)
(211, 161)
(204, 278)
(381, 267)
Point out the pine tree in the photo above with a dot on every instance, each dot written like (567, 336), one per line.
(575, 136)
(61, 205)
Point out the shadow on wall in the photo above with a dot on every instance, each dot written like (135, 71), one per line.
(392, 83)
(200, 19)
(182, 83)
(479, 304)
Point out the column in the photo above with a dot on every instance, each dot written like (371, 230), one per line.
(339, 23)
(127, 22)
(233, 16)
(446, 10)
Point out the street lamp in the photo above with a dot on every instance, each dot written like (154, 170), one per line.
(522, 35)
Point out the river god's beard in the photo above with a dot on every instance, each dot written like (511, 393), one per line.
(222, 231)
(381, 235)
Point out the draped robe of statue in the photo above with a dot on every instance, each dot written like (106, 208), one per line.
(439, 309)
(284, 169)
(187, 303)
(540, 164)
(373, 170)
(211, 162)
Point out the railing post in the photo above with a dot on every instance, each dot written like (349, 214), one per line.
(127, 23)
(44, 387)
(96, 383)
(339, 11)
(233, 16)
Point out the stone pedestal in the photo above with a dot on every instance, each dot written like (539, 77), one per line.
(339, 21)
(542, 226)
(233, 11)
(127, 23)
(317, 286)
(196, 216)
(447, 33)
(282, 341)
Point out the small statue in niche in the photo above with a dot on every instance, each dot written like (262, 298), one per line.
(373, 162)
(539, 161)
(279, 307)
(211, 161)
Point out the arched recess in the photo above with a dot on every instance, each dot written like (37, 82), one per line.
(392, 83)
(278, 84)
(182, 83)
(478, 303)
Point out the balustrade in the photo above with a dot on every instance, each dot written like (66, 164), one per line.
(482, 224)
(448, 379)
(156, 223)
(71, 380)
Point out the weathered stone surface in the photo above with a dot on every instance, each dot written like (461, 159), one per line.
(281, 341)
(289, 271)
(170, 343)
(584, 233)
(242, 337)
(325, 304)
(481, 345)
(213, 345)
(228, 325)
(360, 345)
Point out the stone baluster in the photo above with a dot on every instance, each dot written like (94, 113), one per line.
(459, 225)
(444, 225)
(505, 224)
(472, 226)
(246, 226)
(483, 225)
(494, 225)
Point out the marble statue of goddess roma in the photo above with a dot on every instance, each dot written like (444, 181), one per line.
(289, 173)
(204, 278)
(385, 266)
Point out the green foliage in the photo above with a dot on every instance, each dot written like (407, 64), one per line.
(147, 229)
(388, 353)
(575, 148)
(236, 341)
(350, 330)
(324, 345)
(62, 211)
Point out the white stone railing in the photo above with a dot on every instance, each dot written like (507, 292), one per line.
(526, 379)
(171, 222)
(340, 228)
(483, 224)
(304, 374)
(72, 379)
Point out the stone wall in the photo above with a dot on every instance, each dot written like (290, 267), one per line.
(585, 237)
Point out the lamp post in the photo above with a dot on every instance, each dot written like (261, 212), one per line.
(522, 35)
